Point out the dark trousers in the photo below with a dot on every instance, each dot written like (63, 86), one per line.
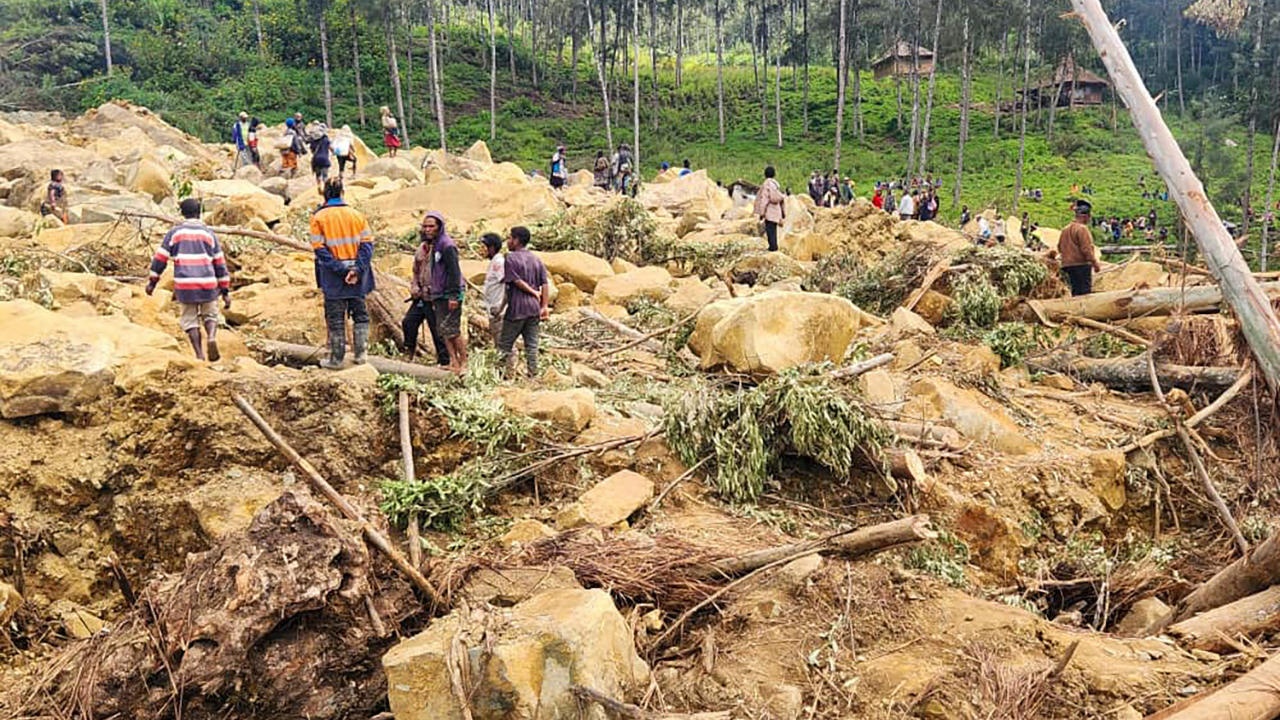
(336, 311)
(526, 328)
(1080, 278)
(771, 234)
(420, 310)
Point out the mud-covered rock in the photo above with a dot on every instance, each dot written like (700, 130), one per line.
(609, 502)
(974, 415)
(774, 331)
(582, 269)
(569, 410)
(648, 283)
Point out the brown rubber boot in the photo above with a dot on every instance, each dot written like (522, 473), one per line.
(211, 331)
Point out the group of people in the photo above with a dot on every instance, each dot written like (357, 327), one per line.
(616, 173)
(1148, 226)
(516, 293)
(830, 190)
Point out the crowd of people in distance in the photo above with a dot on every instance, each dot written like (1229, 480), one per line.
(830, 190)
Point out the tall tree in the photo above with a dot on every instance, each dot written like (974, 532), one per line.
(493, 75)
(840, 81)
(355, 56)
(915, 92)
(1268, 217)
(720, 68)
(106, 37)
(679, 44)
(511, 30)
(635, 108)
(933, 75)
(1247, 205)
(804, 29)
(965, 90)
(394, 62)
(435, 74)
(653, 58)
(777, 89)
(1004, 49)
(322, 11)
(856, 66)
(1026, 86)
(598, 53)
(257, 26)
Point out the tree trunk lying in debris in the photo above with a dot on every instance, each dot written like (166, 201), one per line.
(1251, 697)
(272, 621)
(309, 355)
(1120, 304)
(1252, 574)
(1249, 617)
(857, 543)
(1130, 374)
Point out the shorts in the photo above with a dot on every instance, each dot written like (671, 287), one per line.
(288, 160)
(557, 181)
(195, 315)
(342, 163)
(448, 322)
(320, 171)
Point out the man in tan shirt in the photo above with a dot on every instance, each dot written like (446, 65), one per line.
(1076, 252)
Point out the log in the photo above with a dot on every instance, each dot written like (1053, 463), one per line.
(1227, 396)
(375, 538)
(949, 438)
(406, 456)
(1248, 617)
(627, 711)
(858, 543)
(1249, 299)
(309, 355)
(1253, 696)
(1108, 328)
(906, 463)
(1130, 374)
(1122, 304)
(1121, 249)
(621, 329)
(1249, 575)
(861, 368)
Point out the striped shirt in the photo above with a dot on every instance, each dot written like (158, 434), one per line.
(342, 242)
(199, 269)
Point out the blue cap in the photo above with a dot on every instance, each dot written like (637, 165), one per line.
(289, 122)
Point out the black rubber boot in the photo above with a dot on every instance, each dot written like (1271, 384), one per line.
(337, 352)
(194, 336)
(360, 336)
(211, 332)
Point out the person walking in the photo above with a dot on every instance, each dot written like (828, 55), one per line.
(390, 131)
(877, 199)
(559, 168)
(344, 150)
(240, 136)
(495, 287)
(1076, 253)
(600, 172)
(199, 276)
(420, 302)
(815, 188)
(255, 126)
(343, 246)
(291, 146)
(907, 208)
(321, 161)
(769, 207)
(528, 297)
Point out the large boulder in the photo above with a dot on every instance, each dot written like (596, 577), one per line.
(150, 178)
(17, 223)
(689, 294)
(569, 410)
(609, 502)
(1130, 276)
(243, 209)
(775, 330)
(582, 269)
(108, 121)
(396, 168)
(51, 362)
(467, 205)
(976, 416)
(522, 660)
(479, 152)
(108, 208)
(649, 283)
(694, 193)
(229, 188)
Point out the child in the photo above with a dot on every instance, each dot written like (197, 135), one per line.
(55, 198)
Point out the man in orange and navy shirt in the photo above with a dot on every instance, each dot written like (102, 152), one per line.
(343, 246)
(199, 276)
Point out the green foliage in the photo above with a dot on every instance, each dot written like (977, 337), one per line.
(1013, 271)
(442, 503)
(749, 430)
(878, 288)
(621, 229)
(977, 302)
(1011, 341)
(944, 558)
(1106, 345)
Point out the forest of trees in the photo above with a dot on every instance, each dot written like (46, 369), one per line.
(454, 70)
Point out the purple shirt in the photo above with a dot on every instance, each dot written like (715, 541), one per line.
(523, 265)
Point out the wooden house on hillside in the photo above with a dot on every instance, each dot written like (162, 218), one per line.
(1071, 85)
(901, 61)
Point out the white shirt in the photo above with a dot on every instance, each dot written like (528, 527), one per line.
(983, 228)
(495, 290)
(341, 145)
(907, 206)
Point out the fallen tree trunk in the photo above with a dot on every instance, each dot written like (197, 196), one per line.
(947, 437)
(855, 544)
(1248, 617)
(1250, 697)
(1251, 574)
(1130, 374)
(1121, 304)
(309, 355)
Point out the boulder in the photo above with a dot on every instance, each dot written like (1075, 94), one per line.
(806, 246)
(17, 223)
(1107, 477)
(76, 620)
(508, 586)
(10, 601)
(766, 267)
(396, 168)
(878, 387)
(107, 209)
(228, 504)
(230, 188)
(689, 294)
(479, 152)
(1147, 616)
(695, 193)
(276, 186)
(774, 330)
(150, 178)
(588, 376)
(110, 120)
(980, 360)
(609, 502)
(50, 362)
(243, 209)
(526, 531)
(251, 173)
(974, 415)
(649, 283)
(582, 269)
(569, 410)
(467, 204)
(568, 297)
(1138, 274)
(622, 266)
(903, 323)
(535, 652)
(934, 307)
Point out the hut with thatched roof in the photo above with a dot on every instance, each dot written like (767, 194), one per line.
(901, 61)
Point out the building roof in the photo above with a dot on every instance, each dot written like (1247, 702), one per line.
(904, 50)
(1068, 71)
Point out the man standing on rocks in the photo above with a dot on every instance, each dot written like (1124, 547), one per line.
(559, 168)
(291, 147)
(199, 276)
(421, 306)
(1076, 252)
(528, 295)
(769, 207)
(240, 136)
(343, 246)
(495, 288)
